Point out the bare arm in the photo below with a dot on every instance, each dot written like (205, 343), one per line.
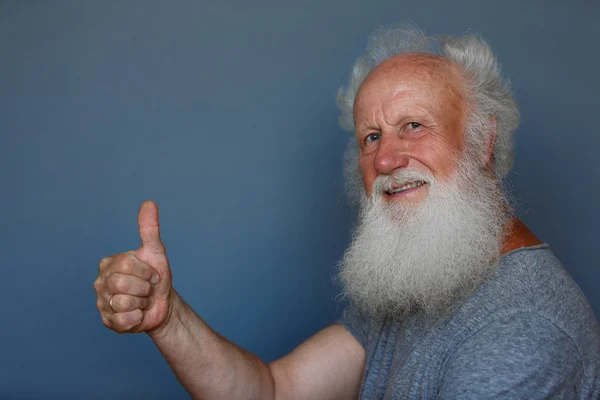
(329, 365)
(208, 365)
(134, 294)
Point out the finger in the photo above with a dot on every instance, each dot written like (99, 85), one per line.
(98, 285)
(103, 264)
(128, 264)
(148, 227)
(123, 322)
(127, 284)
(123, 302)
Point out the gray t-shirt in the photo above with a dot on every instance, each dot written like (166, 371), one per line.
(527, 332)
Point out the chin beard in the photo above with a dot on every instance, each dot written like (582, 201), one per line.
(424, 256)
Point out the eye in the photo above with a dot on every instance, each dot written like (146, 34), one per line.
(413, 125)
(371, 137)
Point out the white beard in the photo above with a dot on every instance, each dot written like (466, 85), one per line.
(425, 256)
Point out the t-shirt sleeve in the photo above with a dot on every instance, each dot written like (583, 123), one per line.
(522, 356)
(356, 323)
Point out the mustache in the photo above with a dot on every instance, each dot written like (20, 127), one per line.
(400, 177)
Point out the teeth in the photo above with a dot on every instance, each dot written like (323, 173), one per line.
(406, 187)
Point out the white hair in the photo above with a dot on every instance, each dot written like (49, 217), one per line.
(428, 256)
(489, 93)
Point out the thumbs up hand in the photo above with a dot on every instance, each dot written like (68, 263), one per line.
(133, 289)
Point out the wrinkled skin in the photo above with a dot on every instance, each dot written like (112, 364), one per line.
(137, 281)
(409, 113)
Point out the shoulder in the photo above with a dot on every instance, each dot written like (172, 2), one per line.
(533, 280)
(356, 323)
(522, 355)
(529, 324)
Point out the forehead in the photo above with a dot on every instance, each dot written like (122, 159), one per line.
(422, 79)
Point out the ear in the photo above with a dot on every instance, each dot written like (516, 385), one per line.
(488, 155)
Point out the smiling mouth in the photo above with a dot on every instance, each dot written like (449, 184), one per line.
(405, 187)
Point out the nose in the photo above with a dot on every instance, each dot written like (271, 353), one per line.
(390, 155)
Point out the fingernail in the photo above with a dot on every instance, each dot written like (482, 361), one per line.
(154, 279)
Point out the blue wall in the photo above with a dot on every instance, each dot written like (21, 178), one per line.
(223, 112)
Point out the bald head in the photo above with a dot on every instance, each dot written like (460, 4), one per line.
(419, 73)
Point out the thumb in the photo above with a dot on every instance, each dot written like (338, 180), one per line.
(148, 228)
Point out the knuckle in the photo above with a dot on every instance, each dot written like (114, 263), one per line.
(97, 285)
(122, 303)
(127, 265)
(104, 263)
(125, 303)
(99, 304)
(124, 324)
(121, 283)
(106, 322)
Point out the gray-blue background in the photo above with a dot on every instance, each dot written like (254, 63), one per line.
(223, 112)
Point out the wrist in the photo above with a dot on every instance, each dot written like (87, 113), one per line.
(173, 318)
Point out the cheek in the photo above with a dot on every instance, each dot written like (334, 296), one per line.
(437, 155)
(367, 172)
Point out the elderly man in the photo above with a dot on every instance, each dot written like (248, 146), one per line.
(450, 295)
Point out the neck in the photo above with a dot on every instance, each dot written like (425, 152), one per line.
(517, 235)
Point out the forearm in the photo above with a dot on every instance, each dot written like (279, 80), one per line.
(208, 365)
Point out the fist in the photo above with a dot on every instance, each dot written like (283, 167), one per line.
(133, 289)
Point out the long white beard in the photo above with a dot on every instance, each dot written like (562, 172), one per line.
(424, 256)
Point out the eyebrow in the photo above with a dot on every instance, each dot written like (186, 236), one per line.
(365, 126)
